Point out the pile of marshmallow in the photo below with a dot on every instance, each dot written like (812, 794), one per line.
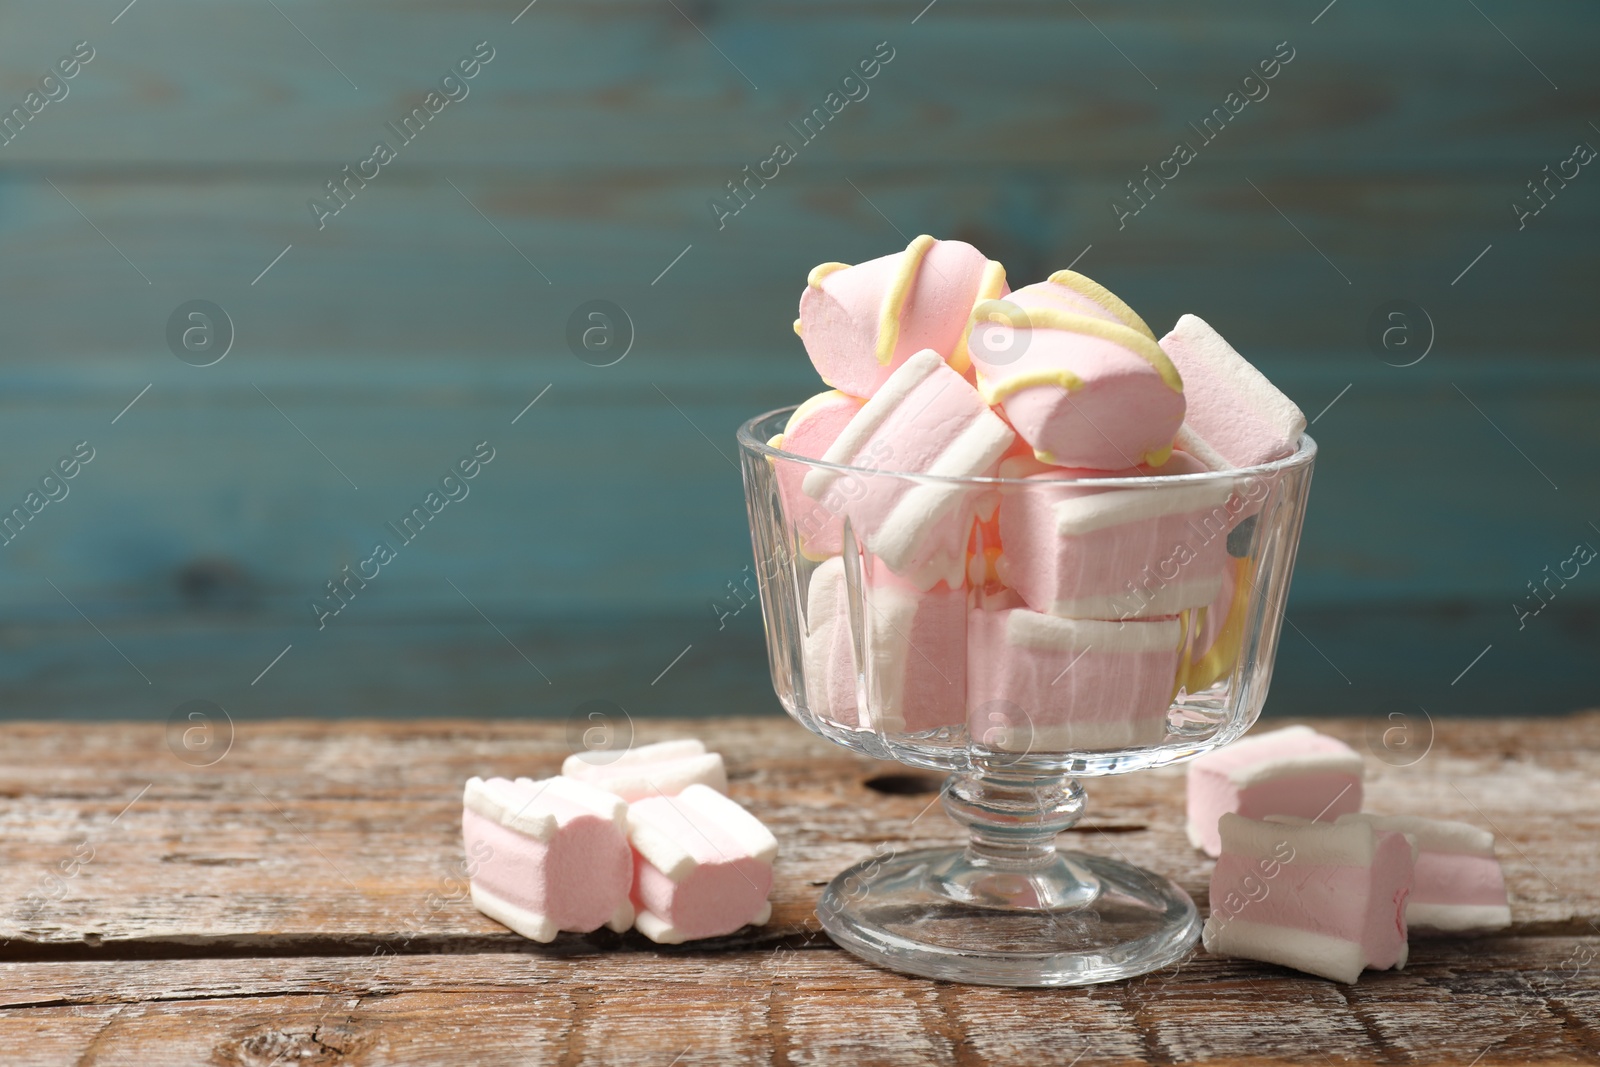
(978, 600)
(645, 838)
(1307, 880)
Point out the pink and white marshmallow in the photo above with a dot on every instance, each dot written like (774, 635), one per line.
(1294, 771)
(556, 855)
(1082, 552)
(926, 419)
(1327, 899)
(813, 427)
(665, 768)
(1039, 683)
(861, 323)
(914, 652)
(1081, 386)
(1459, 884)
(703, 866)
(1067, 290)
(827, 652)
(1235, 417)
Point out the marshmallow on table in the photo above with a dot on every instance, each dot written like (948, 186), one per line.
(703, 866)
(1078, 551)
(557, 855)
(1236, 417)
(665, 767)
(1294, 771)
(827, 652)
(1327, 899)
(1038, 683)
(1459, 884)
(814, 426)
(926, 419)
(914, 652)
(1078, 383)
(860, 323)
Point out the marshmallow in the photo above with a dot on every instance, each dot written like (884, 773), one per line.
(814, 426)
(664, 768)
(1329, 900)
(914, 652)
(703, 866)
(1069, 291)
(926, 419)
(1459, 884)
(557, 855)
(1038, 683)
(1236, 418)
(860, 323)
(827, 652)
(1075, 379)
(1112, 553)
(1294, 771)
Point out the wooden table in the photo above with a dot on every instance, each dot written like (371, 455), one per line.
(300, 902)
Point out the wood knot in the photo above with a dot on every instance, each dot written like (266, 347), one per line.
(324, 1043)
(215, 583)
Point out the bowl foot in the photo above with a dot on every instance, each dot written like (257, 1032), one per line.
(1070, 919)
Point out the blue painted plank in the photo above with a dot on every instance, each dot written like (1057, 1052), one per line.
(635, 85)
(414, 268)
(604, 496)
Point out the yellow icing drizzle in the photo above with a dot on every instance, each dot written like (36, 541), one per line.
(1085, 286)
(821, 271)
(1183, 638)
(989, 286)
(809, 408)
(995, 392)
(1053, 319)
(1217, 662)
(1158, 457)
(797, 332)
(894, 296)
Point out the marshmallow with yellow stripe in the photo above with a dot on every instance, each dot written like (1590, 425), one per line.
(860, 323)
(1078, 374)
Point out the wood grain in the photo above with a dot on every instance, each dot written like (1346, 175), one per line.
(297, 902)
(411, 267)
(1492, 998)
(650, 87)
(361, 820)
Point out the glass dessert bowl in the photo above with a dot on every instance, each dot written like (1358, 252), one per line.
(898, 627)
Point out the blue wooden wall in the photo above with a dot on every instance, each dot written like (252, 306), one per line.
(373, 353)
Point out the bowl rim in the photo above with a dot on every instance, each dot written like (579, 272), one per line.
(1303, 456)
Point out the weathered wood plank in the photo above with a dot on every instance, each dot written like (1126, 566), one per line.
(1400, 659)
(163, 494)
(173, 541)
(1396, 140)
(227, 85)
(348, 833)
(314, 852)
(1497, 1000)
(410, 267)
